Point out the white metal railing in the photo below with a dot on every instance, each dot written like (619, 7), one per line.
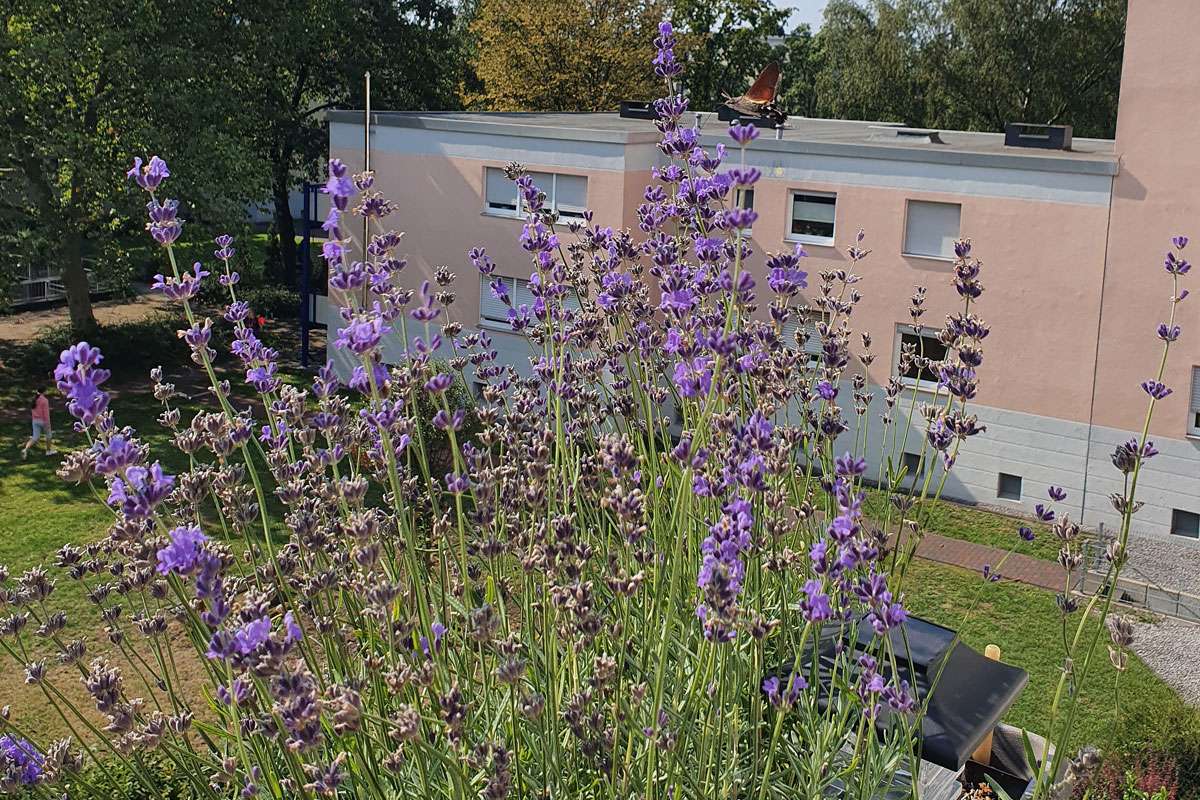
(44, 289)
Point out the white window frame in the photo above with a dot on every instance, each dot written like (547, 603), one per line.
(551, 196)
(920, 384)
(908, 251)
(1193, 428)
(826, 241)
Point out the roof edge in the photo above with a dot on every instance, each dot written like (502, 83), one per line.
(1042, 161)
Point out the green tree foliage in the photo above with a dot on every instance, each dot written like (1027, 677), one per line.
(546, 55)
(725, 43)
(298, 58)
(84, 86)
(988, 62)
(962, 64)
(870, 62)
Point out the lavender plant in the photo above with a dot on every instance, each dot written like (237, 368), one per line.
(613, 585)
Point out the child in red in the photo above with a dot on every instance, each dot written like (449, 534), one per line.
(40, 415)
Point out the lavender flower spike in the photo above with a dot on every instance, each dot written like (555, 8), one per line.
(150, 176)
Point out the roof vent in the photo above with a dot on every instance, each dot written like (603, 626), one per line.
(1046, 137)
(899, 133)
(636, 109)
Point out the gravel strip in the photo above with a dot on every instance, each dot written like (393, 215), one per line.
(1169, 648)
(1170, 565)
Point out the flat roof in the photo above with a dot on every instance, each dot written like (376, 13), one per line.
(862, 139)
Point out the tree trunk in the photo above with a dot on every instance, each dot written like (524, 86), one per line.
(75, 281)
(285, 228)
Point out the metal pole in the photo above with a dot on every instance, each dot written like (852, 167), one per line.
(305, 269)
(366, 163)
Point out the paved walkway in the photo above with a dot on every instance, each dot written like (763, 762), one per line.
(972, 556)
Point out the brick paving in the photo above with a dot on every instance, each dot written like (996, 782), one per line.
(972, 556)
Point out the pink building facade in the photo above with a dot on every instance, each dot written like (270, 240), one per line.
(1071, 241)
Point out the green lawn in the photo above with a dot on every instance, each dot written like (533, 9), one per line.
(959, 521)
(1024, 622)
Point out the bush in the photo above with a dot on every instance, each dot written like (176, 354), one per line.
(136, 347)
(1148, 775)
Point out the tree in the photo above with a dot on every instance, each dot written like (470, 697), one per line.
(870, 62)
(545, 55)
(82, 92)
(973, 64)
(989, 62)
(726, 44)
(801, 63)
(299, 58)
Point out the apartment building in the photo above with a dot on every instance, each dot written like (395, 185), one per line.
(1072, 241)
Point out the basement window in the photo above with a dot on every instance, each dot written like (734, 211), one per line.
(1009, 487)
(1185, 523)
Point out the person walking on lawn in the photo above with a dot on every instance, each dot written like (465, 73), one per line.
(40, 414)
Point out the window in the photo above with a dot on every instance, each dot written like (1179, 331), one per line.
(500, 193)
(931, 229)
(493, 310)
(566, 194)
(1185, 523)
(1194, 408)
(744, 198)
(1009, 487)
(490, 308)
(913, 468)
(921, 370)
(812, 345)
(812, 217)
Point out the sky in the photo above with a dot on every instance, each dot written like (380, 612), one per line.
(804, 11)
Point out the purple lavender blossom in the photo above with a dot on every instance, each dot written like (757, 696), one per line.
(224, 250)
(1155, 389)
(292, 630)
(1026, 533)
(185, 287)
(183, 555)
(665, 65)
(252, 635)
(78, 376)
(743, 134)
(150, 176)
(815, 605)
(362, 334)
(20, 759)
(140, 491)
(1168, 333)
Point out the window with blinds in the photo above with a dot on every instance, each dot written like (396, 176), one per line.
(491, 309)
(813, 215)
(566, 194)
(1194, 409)
(500, 194)
(931, 229)
(812, 345)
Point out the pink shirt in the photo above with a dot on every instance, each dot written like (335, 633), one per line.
(41, 409)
